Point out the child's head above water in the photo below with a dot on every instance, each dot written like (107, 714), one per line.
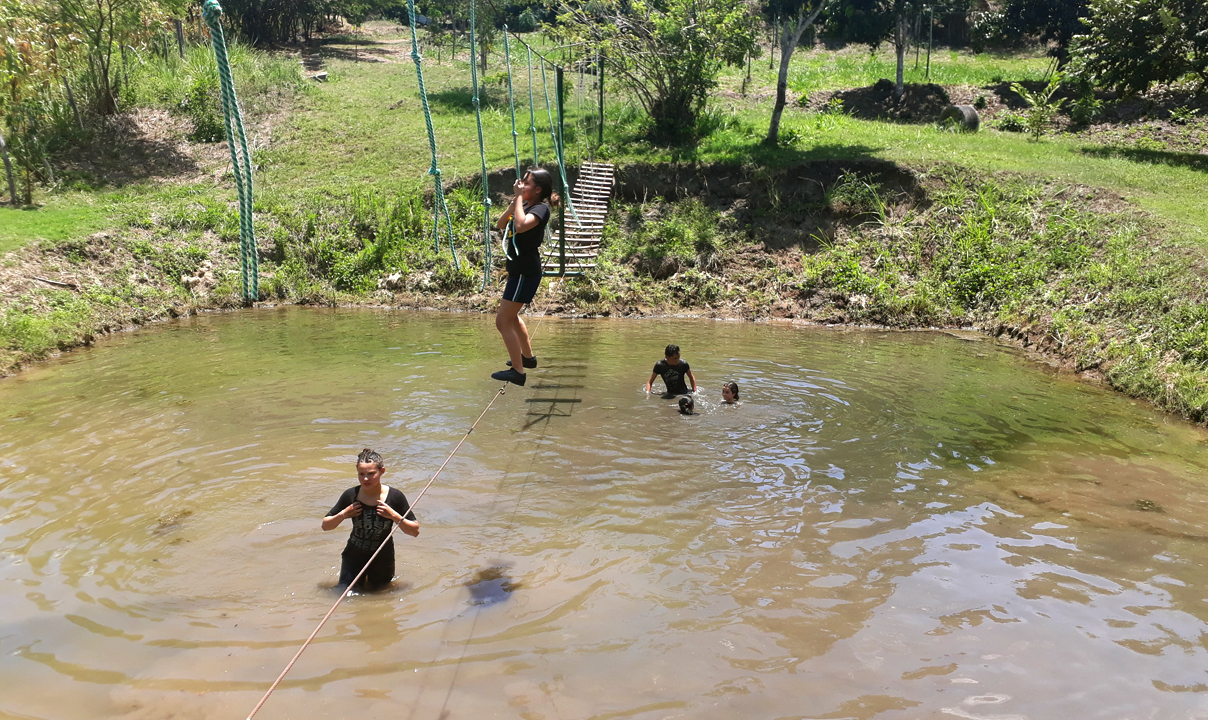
(686, 406)
(672, 353)
(729, 392)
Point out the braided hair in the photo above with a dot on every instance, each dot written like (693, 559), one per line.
(369, 456)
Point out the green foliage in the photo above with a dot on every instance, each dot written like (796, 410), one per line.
(1086, 110)
(667, 53)
(660, 238)
(1131, 44)
(202, 105)
(1041, 106)
(1017, 22)
(1183, 115)
(1011, 122)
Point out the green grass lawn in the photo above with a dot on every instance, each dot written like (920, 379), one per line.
(364, 128)
(62, 217)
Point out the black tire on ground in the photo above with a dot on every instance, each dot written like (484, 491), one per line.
(963, 116)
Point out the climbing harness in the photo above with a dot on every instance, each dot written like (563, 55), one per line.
(241, 160)
(438, 194)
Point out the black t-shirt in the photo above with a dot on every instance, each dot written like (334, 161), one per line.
(369, 528)
(524, 250)
(673, 376)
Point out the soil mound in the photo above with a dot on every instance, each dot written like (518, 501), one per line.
(919, 102)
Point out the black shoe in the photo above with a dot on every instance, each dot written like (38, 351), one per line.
(510, 376)
(528, 362)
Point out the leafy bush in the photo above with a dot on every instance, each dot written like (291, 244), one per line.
(202, 105)
(1041, 106)
(1011, 122)
(1086, 110)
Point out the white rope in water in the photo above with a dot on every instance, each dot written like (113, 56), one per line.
(355, 580)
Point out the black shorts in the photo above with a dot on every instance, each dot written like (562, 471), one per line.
(521, 287)
(379, 574)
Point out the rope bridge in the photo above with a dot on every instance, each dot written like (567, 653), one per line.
(581, 238)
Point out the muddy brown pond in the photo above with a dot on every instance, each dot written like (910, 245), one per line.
(889, 525)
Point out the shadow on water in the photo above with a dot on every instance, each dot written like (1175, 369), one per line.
(492, 585)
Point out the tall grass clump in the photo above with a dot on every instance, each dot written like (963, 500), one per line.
(189, 87)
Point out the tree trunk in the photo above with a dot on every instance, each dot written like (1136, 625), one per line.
(782, 86)
(900, 88)
(901, 39)
(71, 101)
(8, 170)
(482, 45)
(789, 38)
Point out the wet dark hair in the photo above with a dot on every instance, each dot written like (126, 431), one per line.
(733, 388)
(369, 456)
(686, 405)
(671, 350)
(545, 181)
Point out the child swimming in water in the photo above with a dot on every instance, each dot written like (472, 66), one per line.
(729, 393)
(673, 371)
(373, 508)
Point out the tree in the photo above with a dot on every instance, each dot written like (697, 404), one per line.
(794, 17)
(106, 26)
(1131, 44)
(668, 53)
(873, 22)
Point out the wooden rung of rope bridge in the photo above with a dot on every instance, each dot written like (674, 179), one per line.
(579, 239)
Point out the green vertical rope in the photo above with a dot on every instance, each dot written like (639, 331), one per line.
(482, 151)
(507, 51)
(241, 161)
(532, 115)
(438, 195)
(553, 133)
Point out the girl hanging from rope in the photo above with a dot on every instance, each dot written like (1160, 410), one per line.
(530, 210)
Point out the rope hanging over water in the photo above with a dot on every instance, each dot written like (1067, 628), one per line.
(438, 193)
(241, 161)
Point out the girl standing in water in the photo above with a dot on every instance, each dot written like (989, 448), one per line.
(530, 211)
(374, 508)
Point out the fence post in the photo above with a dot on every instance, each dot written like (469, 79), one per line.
(8, 170)
(561, 144)
(600, 78)
(180, 38)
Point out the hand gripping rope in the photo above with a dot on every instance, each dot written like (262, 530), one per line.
(241, 161)
(438, 195)
(482, 154)
(357, 579)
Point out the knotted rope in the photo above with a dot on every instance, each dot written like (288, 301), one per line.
(438, 195)
(241, 160)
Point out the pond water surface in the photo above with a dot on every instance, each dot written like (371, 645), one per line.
(889, 525)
